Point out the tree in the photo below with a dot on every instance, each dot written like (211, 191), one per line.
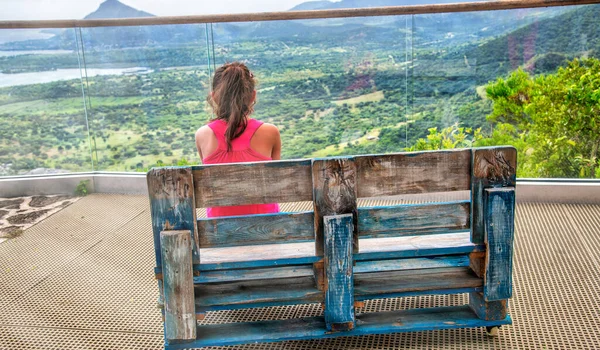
(556, 116)
(450, 137)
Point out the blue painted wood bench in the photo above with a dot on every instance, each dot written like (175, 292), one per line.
(338, 254)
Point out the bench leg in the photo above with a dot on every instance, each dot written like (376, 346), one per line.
(339, 279)
(488, 310)
(496, 265)
(499, 233)
(178, 286)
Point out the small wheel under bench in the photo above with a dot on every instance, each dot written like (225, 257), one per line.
(492, 331)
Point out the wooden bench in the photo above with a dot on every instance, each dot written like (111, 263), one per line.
(338, 254)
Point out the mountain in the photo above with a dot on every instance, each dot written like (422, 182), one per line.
(312, 5)
(116, 37)
(432, 30)
(116, 9)
(540, 47)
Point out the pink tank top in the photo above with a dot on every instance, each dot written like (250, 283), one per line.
(240, 152)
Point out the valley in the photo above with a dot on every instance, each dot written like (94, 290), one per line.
(335, 87)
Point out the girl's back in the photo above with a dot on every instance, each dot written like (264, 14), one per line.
(233, 136)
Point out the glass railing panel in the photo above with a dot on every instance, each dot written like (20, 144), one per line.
(146, 88)
(541, 106)
(43, 127)
(332, 86)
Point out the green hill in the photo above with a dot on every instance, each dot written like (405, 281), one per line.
(541, 46)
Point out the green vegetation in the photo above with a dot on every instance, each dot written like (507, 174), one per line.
(553, 119)
(448, 138)
(351, 90)
(82, 188)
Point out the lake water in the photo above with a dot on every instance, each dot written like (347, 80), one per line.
(35, 52)
(64, 74)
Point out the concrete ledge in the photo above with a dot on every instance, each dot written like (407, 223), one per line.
(528, 190)
(20, 186)
(558, 191)
(126, 183)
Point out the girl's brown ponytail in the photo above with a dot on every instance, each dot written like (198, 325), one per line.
(232, 98)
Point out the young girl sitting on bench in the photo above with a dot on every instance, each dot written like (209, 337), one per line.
(232, 136)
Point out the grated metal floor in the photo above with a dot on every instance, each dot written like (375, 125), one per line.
(82, 279)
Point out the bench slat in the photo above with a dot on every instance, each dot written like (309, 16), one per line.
(298, 290)
(314, 327)
(244, 294)
(253, 183)
(381, 284)
(304, 253)
(220, 276)
(413, 219)
(418, 172)
(411, 263)
(256, 229)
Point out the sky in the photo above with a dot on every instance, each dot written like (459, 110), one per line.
(77, 9)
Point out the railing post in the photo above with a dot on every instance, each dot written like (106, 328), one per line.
(339, 278)
(178, 286)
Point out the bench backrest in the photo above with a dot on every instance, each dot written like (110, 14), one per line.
(333, 185)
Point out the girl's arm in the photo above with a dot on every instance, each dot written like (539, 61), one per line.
(276, 153)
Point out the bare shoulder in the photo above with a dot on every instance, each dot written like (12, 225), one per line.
(203, 133)
(268, 130)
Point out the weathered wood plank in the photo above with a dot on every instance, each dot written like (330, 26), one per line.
(411, 263)
(220, 276)
(334, 192)
(304, 253)
(413, 219)
(382, 283)
(418, 172)
(283, 254)
(256, 229)
(178, 286)
(171, 192)
(314, 327)
(492, 167)
(499, 233)
(416, 246)
(487, 310)
(338, 283)
(406, 294)
(242, 294)
(253, 183)
(433, 258)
